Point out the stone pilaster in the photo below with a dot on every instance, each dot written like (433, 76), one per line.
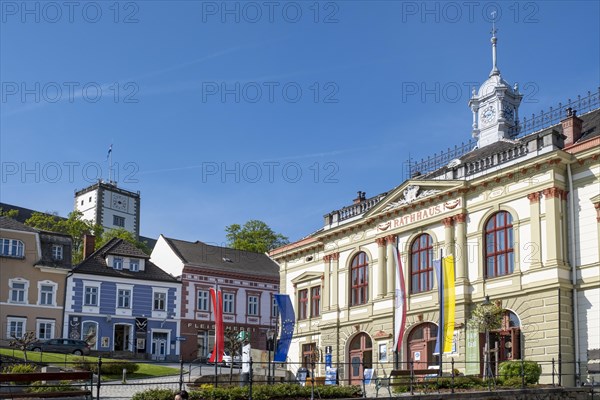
(554, 225)
(326, 283)
(335, 265)
(381, 287)
(391, 271)
(460, 252)
(535, 246)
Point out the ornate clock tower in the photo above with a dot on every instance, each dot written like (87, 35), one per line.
(495, 106)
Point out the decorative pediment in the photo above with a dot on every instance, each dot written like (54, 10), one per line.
(413, 191)
(307, 277)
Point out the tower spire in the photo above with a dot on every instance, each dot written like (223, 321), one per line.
(495, 70)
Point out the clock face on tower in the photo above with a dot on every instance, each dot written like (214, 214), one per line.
(509, 114)
(119, 202)
(488, 115)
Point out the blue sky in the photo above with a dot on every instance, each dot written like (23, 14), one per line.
(221, 112)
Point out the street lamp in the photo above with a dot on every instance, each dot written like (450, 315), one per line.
(270, 348)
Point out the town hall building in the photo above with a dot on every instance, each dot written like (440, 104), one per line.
(520, 213)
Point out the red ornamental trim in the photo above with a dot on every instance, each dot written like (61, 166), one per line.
(460, 218)
(448, 222)
(597, 207)
(380, 242)
(391, 239)
(534, 197)
(554, 192)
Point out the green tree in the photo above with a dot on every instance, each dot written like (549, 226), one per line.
(124, 234)
(254, 236)
(9, 213)
(74, 225)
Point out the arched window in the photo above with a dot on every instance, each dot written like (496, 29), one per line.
(421, 256)
(359, 279)
(499, 252)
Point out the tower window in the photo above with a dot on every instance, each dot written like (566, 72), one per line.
(118, 221)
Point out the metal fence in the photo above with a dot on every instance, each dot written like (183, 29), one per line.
(372, 377)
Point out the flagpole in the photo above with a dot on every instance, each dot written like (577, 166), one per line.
(110, 165)
(216, 338)
(441, 334)
(397, 270)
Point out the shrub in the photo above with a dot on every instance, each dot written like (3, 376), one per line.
(259, 392)
(512, 369)
(20, 369)
(108, 368)
(62, 386)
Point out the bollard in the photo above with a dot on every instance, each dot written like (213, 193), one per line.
(181, 374)
(250, 381)
(452, 385)
(124, 380)
(99, 374)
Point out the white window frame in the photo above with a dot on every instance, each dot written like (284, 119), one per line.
(57, 252)
(124, 298)
(54, 286)
(96, 296)
(228, 303)
(134, 262)
(117, 263)
(38, 324)
(25, 291)
(121, 308)
(156, 294)
(253, 306)
(16, 320)
(205, 299)
(14, 248)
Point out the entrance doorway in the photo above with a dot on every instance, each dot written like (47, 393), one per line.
(421, 344)
(360, 356)
(159, 345)
(122, 337)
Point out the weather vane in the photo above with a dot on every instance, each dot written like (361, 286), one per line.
(493, 14)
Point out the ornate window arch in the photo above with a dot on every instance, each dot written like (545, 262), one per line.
(359, 279)
(499, 245)
(421, 262)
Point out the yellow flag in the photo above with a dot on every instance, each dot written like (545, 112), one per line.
(449, 304)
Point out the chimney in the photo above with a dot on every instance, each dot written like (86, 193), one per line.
(571, 127)
(358, 198)
(89, 242)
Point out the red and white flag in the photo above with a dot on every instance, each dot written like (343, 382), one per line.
(400, 302)
(219, 348)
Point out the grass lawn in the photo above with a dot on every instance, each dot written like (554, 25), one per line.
(146, 370)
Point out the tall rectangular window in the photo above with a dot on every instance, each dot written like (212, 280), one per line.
(57, 252)
(252, 305)
(45, 330)
(228, 303)
(124, 298)
(315, 301)
(274, 308)
(17, 292)
(16, 327)
(47, 295)
(160, 301)
(308, 353)
(203, 302)
(303, 304)
(90, 296)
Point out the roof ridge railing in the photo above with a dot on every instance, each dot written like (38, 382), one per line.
(524, 127)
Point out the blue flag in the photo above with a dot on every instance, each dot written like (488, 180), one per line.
(288, 320)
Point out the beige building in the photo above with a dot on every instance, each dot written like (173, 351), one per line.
(33, 268)
(520, 213)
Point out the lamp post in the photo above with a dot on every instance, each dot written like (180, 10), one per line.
(270, 342)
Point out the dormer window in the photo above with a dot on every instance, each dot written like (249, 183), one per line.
(134, 265)
(57, 252)
(118, 263)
